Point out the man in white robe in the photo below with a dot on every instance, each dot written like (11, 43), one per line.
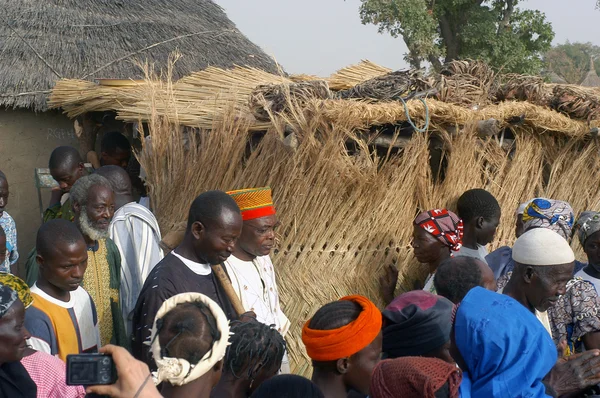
(135, 231)
(250, 268)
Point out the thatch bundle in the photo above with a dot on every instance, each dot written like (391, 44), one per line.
(350, 76)
(577, 102)
(391, 86)
(265, 100)
(524, 88)
(467, 83)
(81, 96)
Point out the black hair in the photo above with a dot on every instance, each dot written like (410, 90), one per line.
(117, 177)
(477, 203)
(56, 231)
(456, 276)
(335, 315)
(287, 386)
(209, 206)
(188, 331)
(254, 346)
(113, 141)
(64, 157)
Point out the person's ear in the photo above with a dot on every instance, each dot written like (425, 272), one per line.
(81, 169)
(343, 365)
(40, 260)
(198, 230)
(479, 222)
(528, 274)
(76, 207)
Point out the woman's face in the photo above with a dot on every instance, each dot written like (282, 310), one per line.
(592, 249)
(426, 247)
(13, 334)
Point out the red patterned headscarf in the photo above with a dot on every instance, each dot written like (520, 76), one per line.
(443, 225)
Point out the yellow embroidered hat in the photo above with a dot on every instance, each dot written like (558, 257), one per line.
(254, 202)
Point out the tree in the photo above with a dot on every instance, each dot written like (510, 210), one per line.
(496, 31)
(571, 61)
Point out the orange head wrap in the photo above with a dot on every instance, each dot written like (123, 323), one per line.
(254, 202)
(331, 345)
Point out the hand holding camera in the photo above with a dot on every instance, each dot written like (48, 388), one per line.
(115, 373)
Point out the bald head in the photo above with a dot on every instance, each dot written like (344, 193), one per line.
(56, 233)
(120, 182)
(456, 276)
(210, 206)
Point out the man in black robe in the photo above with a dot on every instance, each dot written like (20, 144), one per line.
(214, 224)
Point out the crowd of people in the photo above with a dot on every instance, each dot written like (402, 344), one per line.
(517, 322)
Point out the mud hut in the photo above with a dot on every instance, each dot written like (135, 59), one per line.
(48, 40)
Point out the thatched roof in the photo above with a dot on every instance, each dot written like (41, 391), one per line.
(554, 78)
(46, 40)
(591, 78)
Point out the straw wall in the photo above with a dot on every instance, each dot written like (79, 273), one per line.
(346, 215)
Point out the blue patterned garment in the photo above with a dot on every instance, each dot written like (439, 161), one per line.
(10, 229)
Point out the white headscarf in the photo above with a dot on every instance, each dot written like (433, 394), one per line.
(178, 371)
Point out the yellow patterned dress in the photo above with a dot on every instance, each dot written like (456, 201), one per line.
(102, 281)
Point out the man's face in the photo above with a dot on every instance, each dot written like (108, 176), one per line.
(64, 265)
(592, 249)
(362, 364)
(67, 176)
(13, 334)
(487, 229)
(426, 246)
(215, 242)
(94, 218)
(258, 236)
(547, 283)
(3, 194)
(119, 158)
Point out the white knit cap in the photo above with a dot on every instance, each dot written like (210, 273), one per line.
(541, 246)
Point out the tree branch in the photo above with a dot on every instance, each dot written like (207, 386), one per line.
(508, 12)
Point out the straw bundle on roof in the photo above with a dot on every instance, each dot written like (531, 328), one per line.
(524, 88)
(77, 97)
(265, 100)
(350, 76)
(466, 83)
(577, 102)
(203, 97)
(391, 86)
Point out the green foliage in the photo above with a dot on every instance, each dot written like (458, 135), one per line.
(493, 30)
(406, 18)
(571, 61)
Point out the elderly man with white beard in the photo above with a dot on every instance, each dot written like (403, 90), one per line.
(92, 199)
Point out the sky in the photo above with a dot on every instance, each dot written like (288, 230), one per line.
(321, 36)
